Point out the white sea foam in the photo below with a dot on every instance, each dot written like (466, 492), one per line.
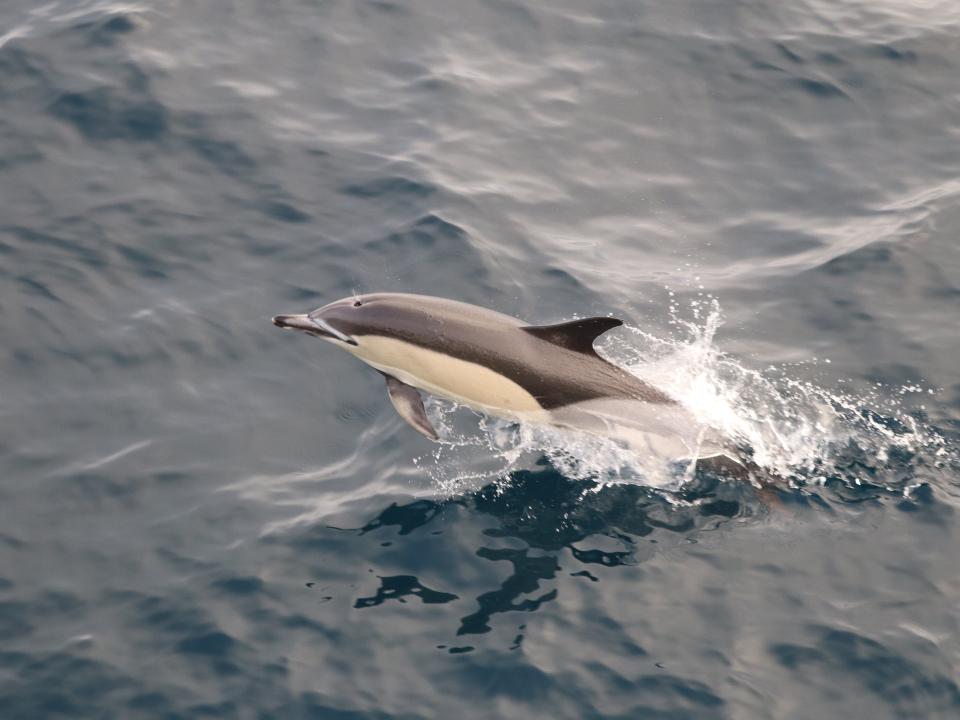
(795, 430)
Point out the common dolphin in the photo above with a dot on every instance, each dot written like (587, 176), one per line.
(502, 366)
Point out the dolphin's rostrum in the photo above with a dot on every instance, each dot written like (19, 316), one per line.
(544, 374)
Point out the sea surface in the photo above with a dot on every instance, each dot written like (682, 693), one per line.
(202, 516)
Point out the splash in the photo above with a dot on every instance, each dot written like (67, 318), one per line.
(791, 428)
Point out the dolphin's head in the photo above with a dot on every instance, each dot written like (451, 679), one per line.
(330, 322)
(348, 321)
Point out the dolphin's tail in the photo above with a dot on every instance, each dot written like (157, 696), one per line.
(732, 464)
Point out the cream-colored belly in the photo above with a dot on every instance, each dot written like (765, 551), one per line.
(453, 378)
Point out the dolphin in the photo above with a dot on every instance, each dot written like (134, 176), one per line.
(501, 366)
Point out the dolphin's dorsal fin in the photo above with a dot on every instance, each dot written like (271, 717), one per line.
(576, 335)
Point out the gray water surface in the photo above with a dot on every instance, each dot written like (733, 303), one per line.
(201, 516)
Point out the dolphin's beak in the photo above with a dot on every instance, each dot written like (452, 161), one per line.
(312, 326)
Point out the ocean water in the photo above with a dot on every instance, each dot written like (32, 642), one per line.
(203, 517)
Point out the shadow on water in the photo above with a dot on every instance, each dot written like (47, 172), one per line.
(543, 516)
(552, 525)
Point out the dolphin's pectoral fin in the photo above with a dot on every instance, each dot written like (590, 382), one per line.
(409, 405)
(577, 335)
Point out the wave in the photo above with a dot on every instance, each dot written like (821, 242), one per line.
(798, 432)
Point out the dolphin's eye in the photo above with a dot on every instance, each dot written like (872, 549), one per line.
(357, 303)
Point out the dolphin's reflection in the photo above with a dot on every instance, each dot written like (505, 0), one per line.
(549, 513)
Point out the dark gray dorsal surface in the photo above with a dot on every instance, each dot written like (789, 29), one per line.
(576, 335)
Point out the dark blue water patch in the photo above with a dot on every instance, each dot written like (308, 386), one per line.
(892, 52)
(723, 508)
(926, 505)
(406, 518)
(551, 512)
(911, 688)
(15, 152)
(599, 557)
(300, 622)
(661, 697)
(11, 541)
(107, 32)
(147, 265)
(385, 7)
(920, 498)
(567, 515)
(14, 624)
(32, 286)
(458, 650)
(689, 694)
(67, 685)
(153, 703)
(224, 155)
(830, 58)
(818, 88)
(399, 587)
(12, 660)
(793, 656)
(103, 114)
(314, 705)
(892, 376)
(57, 603)
(389, 188)
(866, 259)
(224, 709)
(214, 644)
(527, 588)
(32, 240)
(240, 586)
(22, 70)
(944, 292)
(504, 676)
(19, 620)
(527, 573)
(764, 239)
(424, 234)
(785, 50)
(587, 574)
(561, 278)
(854, 475)
(97, 487)
(181, 622)
(436, 87)
(755, 58)
(284, 212)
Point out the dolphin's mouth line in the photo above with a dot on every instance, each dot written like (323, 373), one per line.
(312, 326)
(328, 329)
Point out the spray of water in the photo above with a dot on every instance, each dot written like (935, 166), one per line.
(794, 430)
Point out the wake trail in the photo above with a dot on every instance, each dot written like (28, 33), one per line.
(789, 428)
